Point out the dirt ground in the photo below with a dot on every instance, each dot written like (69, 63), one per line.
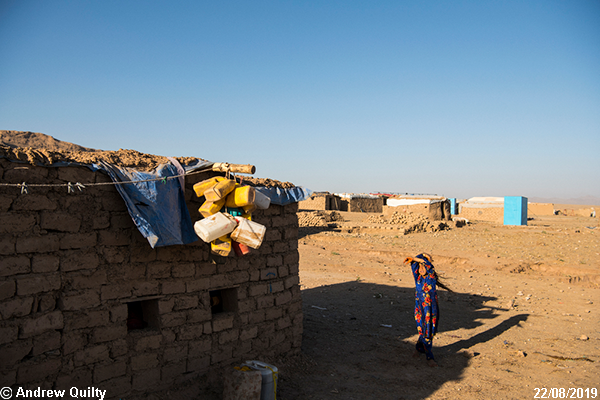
(522, 318)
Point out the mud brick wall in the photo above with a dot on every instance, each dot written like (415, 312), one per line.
(490, 214)
(314, 203)
(438, 211)
(74, 267)
(540, 209)
(422, 209)
(357, 204)
(326, 202)
(577, 212)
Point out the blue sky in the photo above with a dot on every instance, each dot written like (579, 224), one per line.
(456, 98)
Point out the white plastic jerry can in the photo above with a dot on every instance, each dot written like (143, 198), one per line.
(215, 226)
(249, 233)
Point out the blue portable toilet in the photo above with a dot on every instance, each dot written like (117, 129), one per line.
(453, 207)
(515, 210)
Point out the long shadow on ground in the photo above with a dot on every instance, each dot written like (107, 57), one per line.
(357, 355)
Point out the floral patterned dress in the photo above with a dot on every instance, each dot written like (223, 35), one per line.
(426, 303)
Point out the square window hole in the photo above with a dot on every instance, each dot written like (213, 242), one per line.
(142, 314)
(223, 300)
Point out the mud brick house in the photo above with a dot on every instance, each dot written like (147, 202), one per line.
(436, 208)
(321, 201)
(85, 301)
(361, 203)
(343, 202)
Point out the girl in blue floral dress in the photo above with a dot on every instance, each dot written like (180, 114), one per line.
(426, 303)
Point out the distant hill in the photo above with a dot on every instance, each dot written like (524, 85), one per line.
(585, 200)
(37, 141)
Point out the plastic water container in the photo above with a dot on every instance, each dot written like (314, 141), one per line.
(249, 209)
(234, 212)
(240, 249)
(220, 190)
(211, 207)
(241, 196)
(269, 378)
(261, 200)
(215, 226)
(221, 246)
(201, 187)
(249, 233)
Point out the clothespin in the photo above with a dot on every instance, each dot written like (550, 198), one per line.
(79, 186)
(70, 188)
(164, 180)
(24, 189)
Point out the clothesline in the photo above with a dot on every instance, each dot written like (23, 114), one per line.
(78, 185)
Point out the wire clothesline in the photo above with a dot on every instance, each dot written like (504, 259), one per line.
(71, 187)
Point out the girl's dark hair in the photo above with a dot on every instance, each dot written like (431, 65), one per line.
(440, 283)
(427, 257)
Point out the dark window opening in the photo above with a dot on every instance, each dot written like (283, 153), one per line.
(223, 300)
(216, 302)
(142, 314)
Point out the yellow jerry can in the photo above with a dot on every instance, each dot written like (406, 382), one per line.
(220, 190)
(241, 196)
(201, 187)
(249, 208)
(211, 207)
(221, 246)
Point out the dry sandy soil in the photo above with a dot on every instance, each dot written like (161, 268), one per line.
(522, 318)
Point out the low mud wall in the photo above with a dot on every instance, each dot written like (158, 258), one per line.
(534, 209)
(437, 211)
(86, 302)
(358, 204)
(314, 203)
(482, 213)
(321, 202)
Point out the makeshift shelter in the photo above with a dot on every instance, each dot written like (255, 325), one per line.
(104, 283)
(436, 208)
(366, 203)
(321, 201)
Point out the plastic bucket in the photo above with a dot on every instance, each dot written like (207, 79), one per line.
(215, 226)
(269, 378)
(249, 233)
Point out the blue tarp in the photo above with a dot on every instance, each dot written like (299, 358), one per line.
(157, 207)
(282, 196)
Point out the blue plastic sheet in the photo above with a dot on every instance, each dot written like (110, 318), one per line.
(157, 207)
(282, 196)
